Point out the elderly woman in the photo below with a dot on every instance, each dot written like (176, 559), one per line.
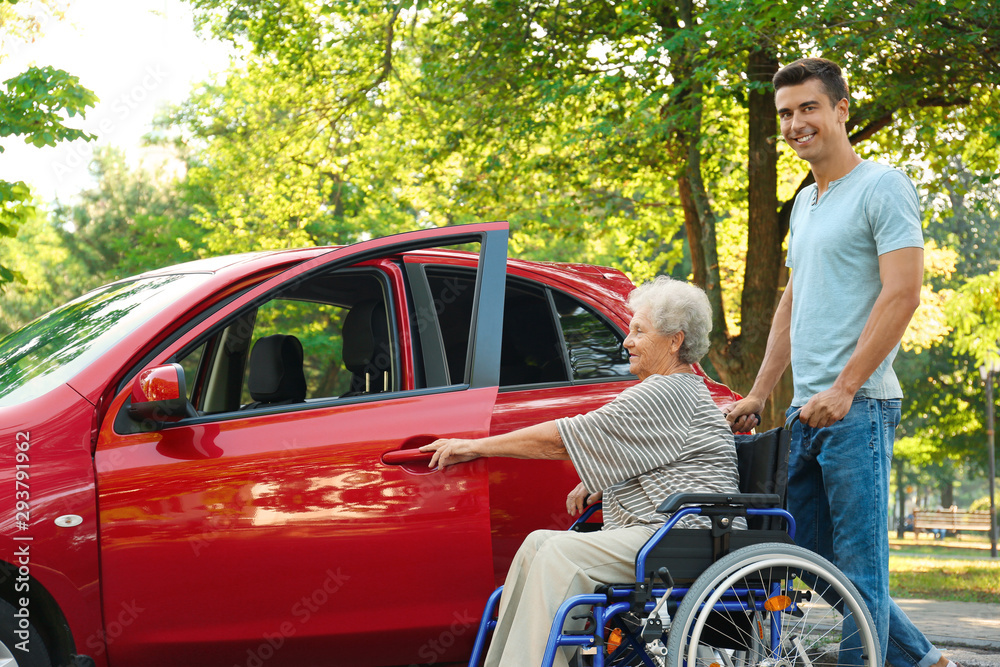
(660, 436)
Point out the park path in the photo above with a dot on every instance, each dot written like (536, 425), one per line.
(968, 632)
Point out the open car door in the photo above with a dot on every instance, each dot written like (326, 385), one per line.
(285, 511)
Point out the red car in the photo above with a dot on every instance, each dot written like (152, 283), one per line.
(215, 463)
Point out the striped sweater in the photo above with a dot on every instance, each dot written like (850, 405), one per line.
(661, 436)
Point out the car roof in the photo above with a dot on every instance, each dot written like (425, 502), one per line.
(602, 282)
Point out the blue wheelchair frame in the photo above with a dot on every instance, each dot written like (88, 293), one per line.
(603, 609)
(616, 599)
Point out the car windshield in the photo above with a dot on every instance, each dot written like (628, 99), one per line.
(58, 345)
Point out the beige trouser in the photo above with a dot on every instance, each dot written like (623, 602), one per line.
(550, 567)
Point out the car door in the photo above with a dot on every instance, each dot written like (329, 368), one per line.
(559, 357)
(285, 533)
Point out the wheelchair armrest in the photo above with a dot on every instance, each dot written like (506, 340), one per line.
(581, 525)
(674, 501)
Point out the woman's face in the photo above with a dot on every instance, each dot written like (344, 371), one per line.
(650, 352)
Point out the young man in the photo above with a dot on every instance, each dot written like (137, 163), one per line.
(856, 254)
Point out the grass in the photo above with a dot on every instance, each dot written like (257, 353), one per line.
(962, 545)
(955, 568)
(940, 579)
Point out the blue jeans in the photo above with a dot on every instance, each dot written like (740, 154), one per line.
(838, 492)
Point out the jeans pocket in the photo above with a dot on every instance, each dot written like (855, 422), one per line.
(891, 412)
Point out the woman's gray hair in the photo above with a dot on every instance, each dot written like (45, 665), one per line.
(675, 305)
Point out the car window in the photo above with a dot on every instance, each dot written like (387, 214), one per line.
(191, 363)
(593, 347)
(548, 336)
(325, 337)
(452, 292)
(318, 328)
(531, 351)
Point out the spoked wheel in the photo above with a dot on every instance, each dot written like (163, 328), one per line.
(772, 605)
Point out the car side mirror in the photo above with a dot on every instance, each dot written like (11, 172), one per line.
(160, 394)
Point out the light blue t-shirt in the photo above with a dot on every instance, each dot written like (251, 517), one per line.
(833, 251)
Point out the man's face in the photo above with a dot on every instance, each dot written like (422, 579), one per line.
(809, 123)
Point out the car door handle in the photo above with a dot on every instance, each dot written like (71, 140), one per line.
(401, 457)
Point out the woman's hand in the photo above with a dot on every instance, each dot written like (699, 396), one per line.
(449, 451)
(580, 498)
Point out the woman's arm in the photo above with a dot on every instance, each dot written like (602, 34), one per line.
(540, 441)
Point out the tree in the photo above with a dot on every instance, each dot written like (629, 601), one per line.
(51, 275)
(632, 126)
(942, 419)
(33, 105)
(975, 313)
(134, 219)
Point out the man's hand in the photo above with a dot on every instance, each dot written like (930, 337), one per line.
(580, 498)
(744, 415)
(826, 408)
(449, 451)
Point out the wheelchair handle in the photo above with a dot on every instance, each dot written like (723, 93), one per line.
(792, 418)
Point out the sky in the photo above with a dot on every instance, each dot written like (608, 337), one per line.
(136, 55)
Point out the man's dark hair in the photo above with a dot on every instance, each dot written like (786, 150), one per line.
(803, 70)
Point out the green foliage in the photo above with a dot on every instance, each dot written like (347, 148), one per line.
(943, 414)
(975, 315)
(33, 105)
(49, 275)
(604, 131)
(14, 210)
(134, 220)
(35, 101)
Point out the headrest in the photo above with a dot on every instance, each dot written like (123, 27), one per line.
(366, 338)
(276, 370)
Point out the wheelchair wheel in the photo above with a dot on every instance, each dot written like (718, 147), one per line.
(772, 605)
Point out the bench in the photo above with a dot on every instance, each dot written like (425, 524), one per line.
(950, 520)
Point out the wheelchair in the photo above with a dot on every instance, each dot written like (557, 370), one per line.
(721, 596)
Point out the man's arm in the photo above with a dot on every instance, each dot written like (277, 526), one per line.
(777, 356)
(541, 441)
(902, 274)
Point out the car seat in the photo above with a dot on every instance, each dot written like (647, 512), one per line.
(276, 376)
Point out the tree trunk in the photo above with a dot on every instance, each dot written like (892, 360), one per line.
(947, 493)
(735, 358)
(738, 358)
(685, 109)
(764, 256)
(900, 498)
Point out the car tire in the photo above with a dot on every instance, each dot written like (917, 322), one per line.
(36, 655)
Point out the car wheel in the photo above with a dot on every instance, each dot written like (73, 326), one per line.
(15, 637)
